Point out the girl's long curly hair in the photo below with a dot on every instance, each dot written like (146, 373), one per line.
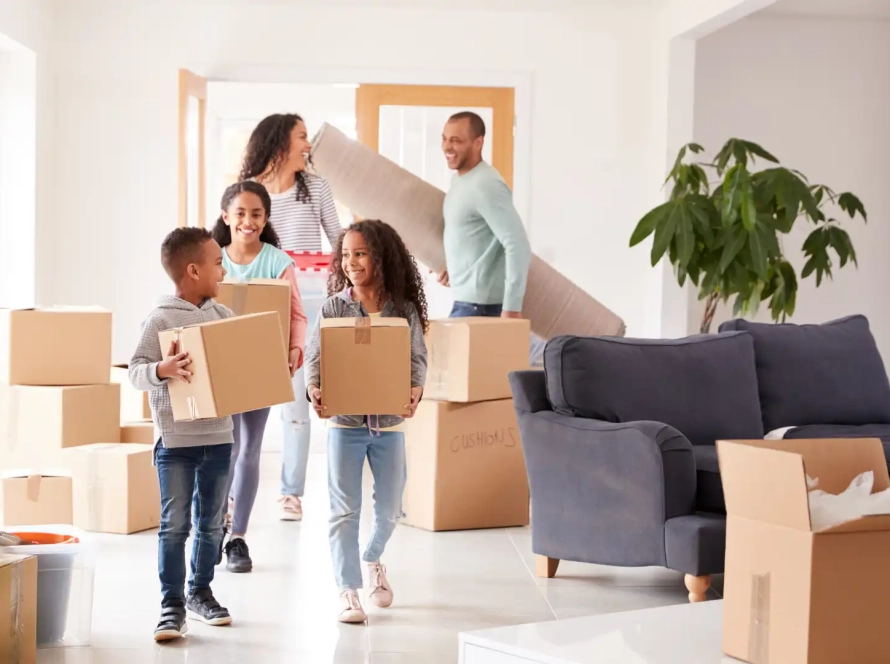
(221, 231)
(395, 270)
(268, 148)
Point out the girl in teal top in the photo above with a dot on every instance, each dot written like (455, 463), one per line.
(250, 250)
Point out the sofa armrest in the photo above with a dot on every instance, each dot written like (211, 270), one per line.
(602, 492)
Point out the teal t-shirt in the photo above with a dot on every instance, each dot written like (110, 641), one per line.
(268, 264)
(486, 248)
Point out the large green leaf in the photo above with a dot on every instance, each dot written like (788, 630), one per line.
(733, 184)
(758, 254)
(734, 245)
(850, 204)
(748, 207)
(664, 231)
(646, 226)
(758, 151)
(685, 237)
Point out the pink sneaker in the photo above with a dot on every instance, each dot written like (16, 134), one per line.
(380, 593)
(291, 508)
(351, 608)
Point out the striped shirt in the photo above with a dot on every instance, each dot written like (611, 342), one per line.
(299, 223)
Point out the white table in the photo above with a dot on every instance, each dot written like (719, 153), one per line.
(682, 634)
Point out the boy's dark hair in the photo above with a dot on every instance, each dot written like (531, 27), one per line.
(182, 247)
(269, 146)
(221, 231)
(395, 269)
(477, 124)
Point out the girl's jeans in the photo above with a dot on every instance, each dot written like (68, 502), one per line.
(347, 450)
(297, 436)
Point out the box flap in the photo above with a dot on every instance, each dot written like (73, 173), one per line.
(866, 524)
(222, 321)
(281, 283)
(373, 322)
(764, 484)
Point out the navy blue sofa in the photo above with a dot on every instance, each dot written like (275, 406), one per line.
(619, 434)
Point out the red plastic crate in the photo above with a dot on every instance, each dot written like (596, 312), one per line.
(310, 261)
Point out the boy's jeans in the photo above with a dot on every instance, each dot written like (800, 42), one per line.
(468, 309)
(191, 478)
(347, 449)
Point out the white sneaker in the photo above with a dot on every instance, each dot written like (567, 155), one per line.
(380, 594)
(352, 611)
(291, 508)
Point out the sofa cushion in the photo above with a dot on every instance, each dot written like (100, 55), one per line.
(708, 487)
(818, 374)
(704, 386)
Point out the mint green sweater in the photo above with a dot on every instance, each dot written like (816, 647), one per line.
(486, 247)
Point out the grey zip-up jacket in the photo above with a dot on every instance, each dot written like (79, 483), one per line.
(171, 312)
(342, 305)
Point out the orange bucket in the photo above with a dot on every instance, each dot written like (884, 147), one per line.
(46, 538)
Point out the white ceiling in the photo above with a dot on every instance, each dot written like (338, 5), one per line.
(863, 9)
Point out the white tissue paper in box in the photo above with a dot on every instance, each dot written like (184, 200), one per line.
(827, 510)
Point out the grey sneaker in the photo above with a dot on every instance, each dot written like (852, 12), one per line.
(172, 624)
(203, 606)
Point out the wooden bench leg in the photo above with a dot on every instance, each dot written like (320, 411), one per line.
(698, 587)
(546, 567)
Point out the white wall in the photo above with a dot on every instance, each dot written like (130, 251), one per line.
(589, 124)
(814, 92)
(30, 100)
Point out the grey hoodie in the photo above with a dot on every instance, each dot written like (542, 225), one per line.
(342, 305)
(171, 312)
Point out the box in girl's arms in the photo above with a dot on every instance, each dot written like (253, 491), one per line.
(256, 296)
(237, 365)
(365, 366)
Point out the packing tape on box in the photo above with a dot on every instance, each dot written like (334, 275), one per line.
(17, 614)
(363, 330)
(239, 298)
(191, 402)
(437, 374)
(32, 487)
(758, 630)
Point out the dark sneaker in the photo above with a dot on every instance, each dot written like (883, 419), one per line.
(202, 606)
(239, 556)
(172, 624)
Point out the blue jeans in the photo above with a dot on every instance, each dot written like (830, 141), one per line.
(468, 309)
(297, 436)
(192, 479)
(347, 450)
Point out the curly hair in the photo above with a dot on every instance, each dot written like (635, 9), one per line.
(268, 148)
(395, 270)
(221, 231)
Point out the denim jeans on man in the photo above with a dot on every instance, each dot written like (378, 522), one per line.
(469, 310)
(192, 479)
(347, 450)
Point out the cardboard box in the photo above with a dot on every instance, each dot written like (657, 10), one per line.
(365, 366)
(470, 359)
(35, 500)
(465, 467)
(18, 616)
(793, 595)
(142, 433)
(134, 403)
(55, 346)
(115, 488)
(257, 296)
(37, 423)
(238, 365)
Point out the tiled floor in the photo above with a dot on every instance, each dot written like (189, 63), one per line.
(285, 611)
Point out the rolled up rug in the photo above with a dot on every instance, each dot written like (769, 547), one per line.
(374, 187)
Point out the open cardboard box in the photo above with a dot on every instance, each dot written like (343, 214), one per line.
(792, 595)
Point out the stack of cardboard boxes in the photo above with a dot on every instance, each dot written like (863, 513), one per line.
(60, 429)
(465, 463)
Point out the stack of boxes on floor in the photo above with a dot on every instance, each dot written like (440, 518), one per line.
(64, 456)
(466, 469)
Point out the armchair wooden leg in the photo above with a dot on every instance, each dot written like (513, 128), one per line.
(698, 587)
(546, 567)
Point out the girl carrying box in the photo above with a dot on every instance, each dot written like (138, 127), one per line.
(372, 274)
(251, 250)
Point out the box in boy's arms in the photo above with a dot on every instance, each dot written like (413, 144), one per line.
(257, 296)
(365, 366)
(237, 365)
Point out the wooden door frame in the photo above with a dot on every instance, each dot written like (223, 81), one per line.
(192, 85)
(370, 97)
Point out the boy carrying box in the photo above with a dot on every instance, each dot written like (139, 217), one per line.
(193, 458)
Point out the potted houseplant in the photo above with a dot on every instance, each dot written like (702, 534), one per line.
(727, 238)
